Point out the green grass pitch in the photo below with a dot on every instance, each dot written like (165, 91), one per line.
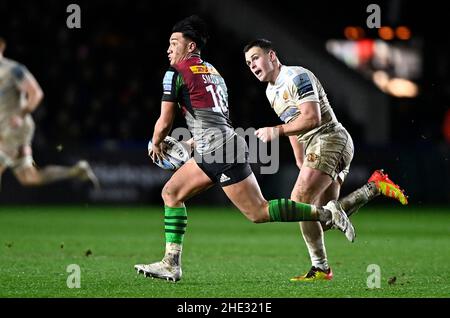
(224, 254)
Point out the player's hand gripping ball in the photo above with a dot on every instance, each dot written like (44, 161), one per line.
(175, 154)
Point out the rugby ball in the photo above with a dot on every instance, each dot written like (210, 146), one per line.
(175, 154)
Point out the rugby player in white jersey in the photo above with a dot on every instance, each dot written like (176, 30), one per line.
(20, 94)
(322, 146)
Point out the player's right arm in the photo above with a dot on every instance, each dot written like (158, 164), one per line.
(169, 102)
(297, 148)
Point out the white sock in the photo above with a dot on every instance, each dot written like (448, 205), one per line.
(318, 256)
(314, 239)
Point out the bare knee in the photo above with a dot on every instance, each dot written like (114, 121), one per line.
(259, 214)
(311, 184)
(170, 197)
(29, 178)
(303, 194)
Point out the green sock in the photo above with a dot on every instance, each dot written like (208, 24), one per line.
(285, 210)
(175, 221)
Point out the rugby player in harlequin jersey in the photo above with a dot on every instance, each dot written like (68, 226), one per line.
(201, 93)
(198, 89)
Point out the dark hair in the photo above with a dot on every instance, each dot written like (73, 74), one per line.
(194, 28)
(2, 45)
(264, 44)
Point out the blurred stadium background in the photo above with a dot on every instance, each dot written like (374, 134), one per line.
(102, 86)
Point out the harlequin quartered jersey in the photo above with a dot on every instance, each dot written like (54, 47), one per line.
(296, 85)
(202, 95)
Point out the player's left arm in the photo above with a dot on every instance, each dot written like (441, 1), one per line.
(162, 128)
(28, 84)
